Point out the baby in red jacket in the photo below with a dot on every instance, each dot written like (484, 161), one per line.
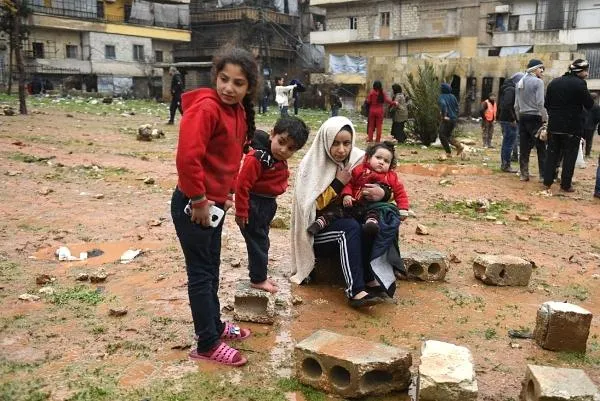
(377, 168)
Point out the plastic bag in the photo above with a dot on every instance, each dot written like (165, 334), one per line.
(580, 163)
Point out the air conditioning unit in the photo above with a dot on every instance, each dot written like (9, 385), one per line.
(503, 9)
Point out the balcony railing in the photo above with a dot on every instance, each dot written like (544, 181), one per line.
(94, 17)
(240, 13)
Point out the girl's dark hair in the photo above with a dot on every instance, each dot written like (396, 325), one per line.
(247, 62)
(379, 88)
(397, 89)
(382, 145)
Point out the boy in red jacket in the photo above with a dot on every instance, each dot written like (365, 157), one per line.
(264, 176)
(377, 168)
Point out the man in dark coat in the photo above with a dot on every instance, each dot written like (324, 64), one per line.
(592, 118)
(566, 98)
(176, 91)
(508, 120)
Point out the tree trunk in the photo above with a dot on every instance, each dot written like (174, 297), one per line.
(10, 63)
(20, 62)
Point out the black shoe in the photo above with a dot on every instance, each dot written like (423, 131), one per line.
(377, 291)
(170, 122)
(367, 300)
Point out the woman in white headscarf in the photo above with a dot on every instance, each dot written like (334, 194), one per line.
(321, 176)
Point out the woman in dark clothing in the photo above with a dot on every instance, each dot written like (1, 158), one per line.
(399, 114)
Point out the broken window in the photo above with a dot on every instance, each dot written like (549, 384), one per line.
(71, 51)
(384, 25)
(487, 85)
(353, 23)
(513, 23)
(38, 49)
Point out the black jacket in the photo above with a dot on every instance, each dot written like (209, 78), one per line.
(566, 97)
(506, 102)
(592, 118)
(176, 84)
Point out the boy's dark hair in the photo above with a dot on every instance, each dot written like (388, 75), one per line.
(382, 145)
(247, 62)
(295, 128)
(277, 79)
(396, 89)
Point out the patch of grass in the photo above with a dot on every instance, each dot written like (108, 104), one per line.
(490, 333)
(7, 366)
(579, 358)
(26, 158)
(23, 390)
(473, 209)
(288, 385)
(79, 294)
(461, 300)
(97, 330)
(139, 348)
(7, 266)
(577, 291)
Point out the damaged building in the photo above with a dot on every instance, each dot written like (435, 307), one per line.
(107, 45)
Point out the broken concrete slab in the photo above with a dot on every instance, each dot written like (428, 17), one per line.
(350, 366)
(546, 383)
(561, 326)
(426, 265)
(253, 305)
(446, 373)
(502, 270)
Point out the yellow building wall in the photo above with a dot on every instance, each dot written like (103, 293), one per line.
(467, 46)
(364, 49)
(115, 11)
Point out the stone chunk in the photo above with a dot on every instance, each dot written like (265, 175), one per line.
(502, 270)
(446, 373)
(252, 305)
(350, 366)
(545, 383)
(426, 265)
(561, 326)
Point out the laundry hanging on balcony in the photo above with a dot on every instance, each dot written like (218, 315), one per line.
(510, 50)
(76, 8)
(141, 13)
(347, 64)
(166, 15)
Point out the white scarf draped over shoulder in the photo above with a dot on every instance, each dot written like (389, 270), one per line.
(314, 174)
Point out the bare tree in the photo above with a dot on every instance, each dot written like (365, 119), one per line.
(13, 13)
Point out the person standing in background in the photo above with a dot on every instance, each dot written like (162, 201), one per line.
(489, 110)
(508, 121)
(592, 119)
(176, 91)
(399, 114)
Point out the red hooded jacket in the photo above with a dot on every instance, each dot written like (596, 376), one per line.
(211, 139)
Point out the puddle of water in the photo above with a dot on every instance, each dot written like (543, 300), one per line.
(440, 170)
(112, 251)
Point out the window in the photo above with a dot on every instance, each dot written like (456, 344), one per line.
(38, 49)
(385, 19)
(100, 9)
(72, 51)
(513, 23)
(138, 52)
(158, 56)
(353, 23)
(109, 52)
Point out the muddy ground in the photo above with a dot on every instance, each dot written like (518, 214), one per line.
(73, 174)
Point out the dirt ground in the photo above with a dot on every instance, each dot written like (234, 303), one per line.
(73, 174)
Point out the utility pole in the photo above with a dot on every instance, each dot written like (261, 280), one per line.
(18, 49)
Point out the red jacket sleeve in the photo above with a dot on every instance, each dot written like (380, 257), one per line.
(387, 99)
(194, 135)
(350, 187)
(247, 177)
(400, 196)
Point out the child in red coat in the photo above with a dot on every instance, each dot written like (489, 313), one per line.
(377, 168)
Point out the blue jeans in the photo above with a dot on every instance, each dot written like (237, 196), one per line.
(284, 111)
(597, 189)
(509, 135)
(201, 248)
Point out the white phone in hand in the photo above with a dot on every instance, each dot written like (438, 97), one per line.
(216, 215)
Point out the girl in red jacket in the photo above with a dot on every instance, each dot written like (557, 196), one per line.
(214, 129)
(376, 98)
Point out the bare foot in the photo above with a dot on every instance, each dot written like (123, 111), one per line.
(360, 295)
(265, 286)
(273, 282)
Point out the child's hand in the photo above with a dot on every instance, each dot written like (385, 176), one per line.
(242, 222)
(227, 205)
(402, 218)
(403, 214)
(201, 215)
(344, 174)
(348, 201)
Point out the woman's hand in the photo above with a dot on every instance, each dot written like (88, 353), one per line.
(201, 215)
(344, 174)
(347, 201)
(373, 192)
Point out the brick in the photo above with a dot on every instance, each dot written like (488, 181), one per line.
(350, 366)
(502, 270)
(425, 265)
(545, 383)
(252, 305)
(446, 373)
(561, 326)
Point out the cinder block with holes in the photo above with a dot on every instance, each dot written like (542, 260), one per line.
(252, 305)
(350, 366)
(561, 326)
(502, 270)
(546, 383)
(425, 265)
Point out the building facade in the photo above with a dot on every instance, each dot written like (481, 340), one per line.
(108, 45)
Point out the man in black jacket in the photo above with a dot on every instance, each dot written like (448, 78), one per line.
(508, 120)
(592, 118)
(176, 91)
(566, 97)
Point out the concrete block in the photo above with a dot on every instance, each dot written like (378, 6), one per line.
(502, 270)
(545, 383)
(446, 373)
(252, 305)
(561, 326)
(350, 366)
(425, 265)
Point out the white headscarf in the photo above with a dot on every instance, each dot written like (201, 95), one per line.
(315, 173)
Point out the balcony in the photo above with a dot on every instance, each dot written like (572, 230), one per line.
(239, 14)
(208, 51)
(325, 3)
(521, 38)
(331, 37)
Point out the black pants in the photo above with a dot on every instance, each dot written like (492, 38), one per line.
(568, 146)
(256, 234)
(446, 128)
(175, 105)
(588, 135)
(201, 248)
(398, 131)
(528, 127)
